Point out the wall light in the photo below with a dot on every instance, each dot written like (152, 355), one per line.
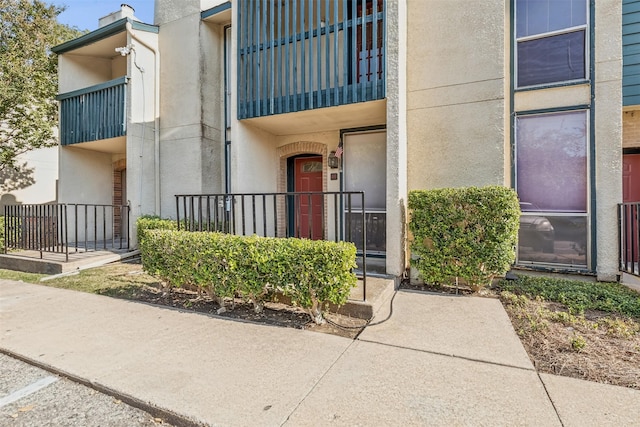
(333, 161)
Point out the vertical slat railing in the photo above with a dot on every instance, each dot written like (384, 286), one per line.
(94, 113)
(44, 228)
(298, 55)
(629, 240)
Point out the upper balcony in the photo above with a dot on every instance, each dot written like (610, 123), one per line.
(102, 76)
(94, 113)
(298, 55)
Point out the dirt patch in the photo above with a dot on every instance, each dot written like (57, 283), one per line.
(274, 313)
(596, 346)
(452, 289)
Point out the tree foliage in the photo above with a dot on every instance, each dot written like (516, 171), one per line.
(28, 78)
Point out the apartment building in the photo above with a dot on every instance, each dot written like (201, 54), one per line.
(275, 99)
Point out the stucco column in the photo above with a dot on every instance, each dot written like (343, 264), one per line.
(608, 133)
(396, 59)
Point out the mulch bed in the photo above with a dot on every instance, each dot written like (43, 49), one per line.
(274, 313)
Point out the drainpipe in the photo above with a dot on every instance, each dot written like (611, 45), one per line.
(156, 114)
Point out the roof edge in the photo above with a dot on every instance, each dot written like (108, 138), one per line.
(215, 10)
(102, 33)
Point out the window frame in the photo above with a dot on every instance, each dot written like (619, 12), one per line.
(588, 211)
(576, 28)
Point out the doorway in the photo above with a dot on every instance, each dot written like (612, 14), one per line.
(306, 211)
(365, 169)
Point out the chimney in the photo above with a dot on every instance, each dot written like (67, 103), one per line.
(125, 11)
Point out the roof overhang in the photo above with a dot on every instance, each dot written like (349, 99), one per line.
(107, 31)
(219, 14)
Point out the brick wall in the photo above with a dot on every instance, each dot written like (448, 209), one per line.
(631, 129)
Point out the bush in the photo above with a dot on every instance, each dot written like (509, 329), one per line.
(1, 234)
(311, 273)
(469, 233)
(145, 223)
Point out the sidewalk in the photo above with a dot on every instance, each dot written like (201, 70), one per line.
(437, 360)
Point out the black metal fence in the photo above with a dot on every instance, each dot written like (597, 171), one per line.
(629, 247)
(61, 228)
(334, 216)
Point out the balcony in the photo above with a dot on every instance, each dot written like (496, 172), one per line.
(298, 55)
(94, 113)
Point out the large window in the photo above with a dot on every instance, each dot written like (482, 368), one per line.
(552, 184)
(551, 41)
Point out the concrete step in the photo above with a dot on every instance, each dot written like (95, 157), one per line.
(55, 263)
(378, 294)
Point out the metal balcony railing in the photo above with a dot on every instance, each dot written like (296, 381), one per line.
(64, 228)
(304, 54)
(629, 247)
(94, 113)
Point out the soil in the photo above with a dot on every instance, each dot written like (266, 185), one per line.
(598, 346)
(274, 313)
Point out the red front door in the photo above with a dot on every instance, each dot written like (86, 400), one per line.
(630, 178)
(308, 209)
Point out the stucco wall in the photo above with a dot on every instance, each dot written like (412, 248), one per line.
(187, 139)
(213, 100)
(44, 162)
(77, 72)
(456, 93)
(85, 176)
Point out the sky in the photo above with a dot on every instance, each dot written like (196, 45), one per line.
(84, 14)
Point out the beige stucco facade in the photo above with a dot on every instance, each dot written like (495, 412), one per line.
(459, 105)
(456, 97)
(447, 115)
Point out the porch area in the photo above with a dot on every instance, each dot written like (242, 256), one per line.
(57, 238)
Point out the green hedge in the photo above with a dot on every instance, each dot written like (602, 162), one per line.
(1, 234)
(310, 273)
(145, 223)
(469, 233)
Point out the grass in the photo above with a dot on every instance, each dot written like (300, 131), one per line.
(20, 276)
(577, 296)
(120, 279)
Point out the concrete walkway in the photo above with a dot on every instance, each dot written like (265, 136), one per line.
(437, 360)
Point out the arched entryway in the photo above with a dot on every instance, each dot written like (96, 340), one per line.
(303, 168)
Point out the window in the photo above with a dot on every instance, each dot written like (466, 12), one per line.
(552, 184)
(551, 41)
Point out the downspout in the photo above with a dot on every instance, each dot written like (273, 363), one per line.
(156, 118)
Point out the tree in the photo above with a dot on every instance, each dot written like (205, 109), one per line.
(28, 81)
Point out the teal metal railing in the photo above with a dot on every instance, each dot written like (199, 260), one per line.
(304, 54)
(93, 113)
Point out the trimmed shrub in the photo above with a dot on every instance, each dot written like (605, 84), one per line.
(147, 222)
(1, 234)
(310, 273)
(469, 233)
